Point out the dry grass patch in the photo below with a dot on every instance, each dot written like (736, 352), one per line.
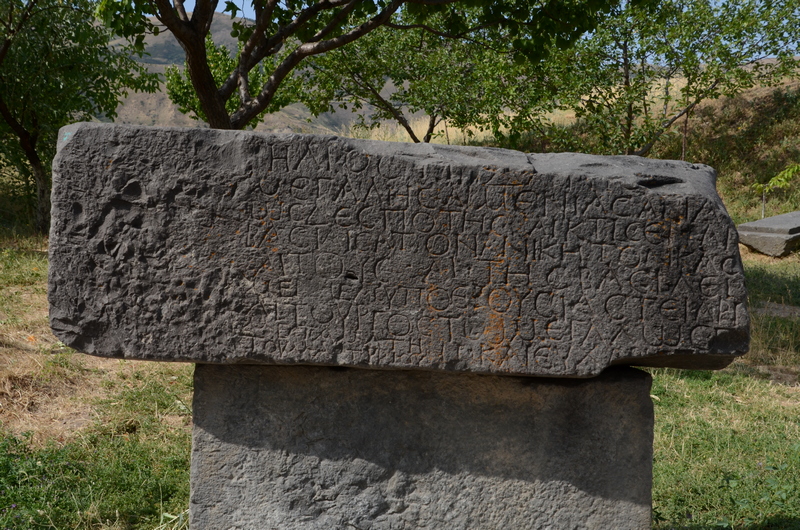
(87, 442)
(54, 395)
(48, 390)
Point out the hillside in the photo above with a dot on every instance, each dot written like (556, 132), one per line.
(157, 110)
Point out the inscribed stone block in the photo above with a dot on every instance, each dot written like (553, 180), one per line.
(236, 247)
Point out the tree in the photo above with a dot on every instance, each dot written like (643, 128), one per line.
(220, 62)
(472, 81)
(402, 73)
(291, 31)
(56, 67)
(645, 69)
(780, 181)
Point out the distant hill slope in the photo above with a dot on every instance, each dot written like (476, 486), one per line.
(156, 109)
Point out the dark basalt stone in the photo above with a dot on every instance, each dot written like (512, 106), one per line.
(309, 448)
(236, 247)
(776, 236)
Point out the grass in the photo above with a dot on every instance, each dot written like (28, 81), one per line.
(127, 471)
(84, 442)
(775, 341)
(727, 451)
(727, 444)
(773, 283)
(773, 280)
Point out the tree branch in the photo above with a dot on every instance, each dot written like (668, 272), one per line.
(203, 14)
(179, 7)
(244, 85)
(251, 109)
(12, 122)
(251, 55)
(183, 30)
(26, 14)
(668, 123)
(309, 48)
(335, 21)
(386, 105)
(263, 19)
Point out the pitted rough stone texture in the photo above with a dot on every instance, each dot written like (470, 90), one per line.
(330, 448)
(236, 247)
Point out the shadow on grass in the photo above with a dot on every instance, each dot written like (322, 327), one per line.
(777, 282)
(776, 523)
(771, 523)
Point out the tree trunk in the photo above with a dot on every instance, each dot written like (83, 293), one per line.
(191, 32)
(626, 73)
(431, 126)
(40, 177)
(27, 141)
(205, 86)
(685, 138)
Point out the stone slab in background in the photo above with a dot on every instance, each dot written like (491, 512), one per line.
(332, 448)
(236, 247)
(775, 236)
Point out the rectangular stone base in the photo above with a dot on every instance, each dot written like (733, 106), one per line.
(777, 245)
(776, 236)
(297, 447)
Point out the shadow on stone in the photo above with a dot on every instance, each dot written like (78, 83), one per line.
(329, 445)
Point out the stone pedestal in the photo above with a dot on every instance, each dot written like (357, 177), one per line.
(328, 448)
(375, 323)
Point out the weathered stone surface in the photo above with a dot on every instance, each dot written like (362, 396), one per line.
(776, 236)
(236, 247)
(330, 448)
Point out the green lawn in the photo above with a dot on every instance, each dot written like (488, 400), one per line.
(727, 451)
(130, 470)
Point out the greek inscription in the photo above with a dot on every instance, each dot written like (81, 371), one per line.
(316, 249)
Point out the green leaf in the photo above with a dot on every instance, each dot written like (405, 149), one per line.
(231, 8)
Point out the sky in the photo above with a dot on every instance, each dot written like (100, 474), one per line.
(247, 7)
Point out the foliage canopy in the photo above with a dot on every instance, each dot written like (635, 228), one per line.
(474, 81)
(644, 69)
(56, 66)
(290, 32)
